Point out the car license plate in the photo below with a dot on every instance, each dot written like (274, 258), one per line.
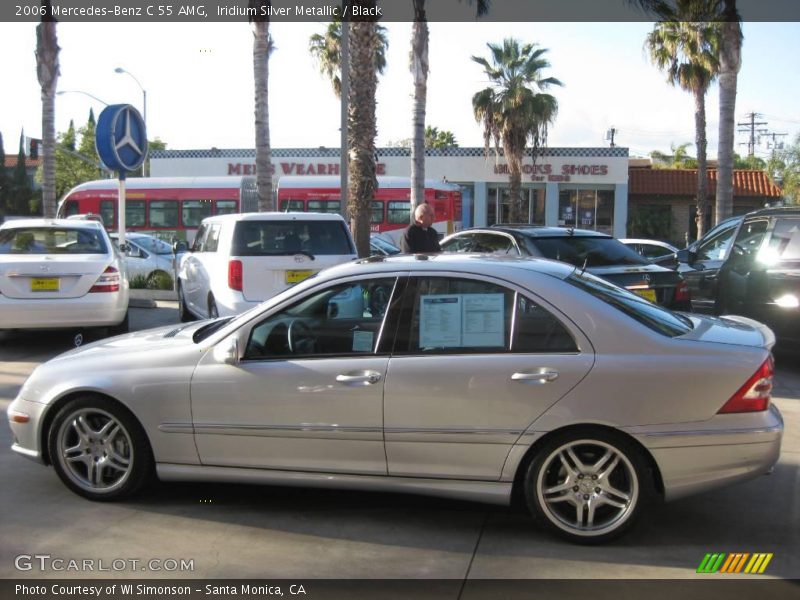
(298, 276)
(646, 294)
(45, 284)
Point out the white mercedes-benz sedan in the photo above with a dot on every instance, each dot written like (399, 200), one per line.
(61, 273)
(463, 376)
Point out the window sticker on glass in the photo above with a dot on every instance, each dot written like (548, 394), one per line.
(440, 321)
(363, 341)
(462, 320)
(483, 322)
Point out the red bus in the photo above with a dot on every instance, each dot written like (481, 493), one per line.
(166, 207)
(390, 208)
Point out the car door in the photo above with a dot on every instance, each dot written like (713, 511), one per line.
(704, 263)
(475, 363)
(742, 278)
(199, 268)
(307, 394)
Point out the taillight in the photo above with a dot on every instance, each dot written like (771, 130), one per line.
(107, 282)
(755, 394)
(682, 292)
(235, 275)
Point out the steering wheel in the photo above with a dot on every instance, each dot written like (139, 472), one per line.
(300, 338)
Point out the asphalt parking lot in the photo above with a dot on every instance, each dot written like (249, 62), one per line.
(236, 531)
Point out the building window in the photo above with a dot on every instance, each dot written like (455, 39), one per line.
(499, 205)
(586, 209)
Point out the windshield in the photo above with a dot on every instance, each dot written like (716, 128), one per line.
(655, 317)
(154, 245)
(585, 251)
(51, 240)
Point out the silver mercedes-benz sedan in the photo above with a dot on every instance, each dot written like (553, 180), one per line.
(462, 376)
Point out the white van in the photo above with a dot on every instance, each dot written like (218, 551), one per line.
(240, 260)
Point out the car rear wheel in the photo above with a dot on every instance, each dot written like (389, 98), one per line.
(183, 312)
(99, 450)
(587, 486)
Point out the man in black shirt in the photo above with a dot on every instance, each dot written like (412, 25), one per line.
(421, 237)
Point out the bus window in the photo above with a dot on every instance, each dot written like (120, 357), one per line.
(107, 212)
(292, 206)
(376, 216)
(134, 213)
(323, 206)
(71, 208)
(398, 211)
(194, 211)
(164, 213)
(226, 207)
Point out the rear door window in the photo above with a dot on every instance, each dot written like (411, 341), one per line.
(784, 244)
(282, 238)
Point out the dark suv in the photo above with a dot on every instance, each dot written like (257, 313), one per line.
(750, 265)
(598, 253)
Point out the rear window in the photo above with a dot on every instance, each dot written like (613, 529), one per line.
(655, 317)
(276, 238)
(51, 240)
(585, 251)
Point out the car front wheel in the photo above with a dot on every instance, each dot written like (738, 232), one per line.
(587, 486)
(99, 450)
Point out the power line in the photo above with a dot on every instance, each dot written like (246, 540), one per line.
(751, 126)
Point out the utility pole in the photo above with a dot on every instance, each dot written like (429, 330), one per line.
(610, 136)
(775, 144)
(750, 126)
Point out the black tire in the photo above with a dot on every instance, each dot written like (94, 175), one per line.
(213, 313)
(99, 450)
(587, 486)
(183, 312)
(123, 327)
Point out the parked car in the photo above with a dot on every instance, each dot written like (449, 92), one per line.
(475, 377)
(596, 252)
(750, 265)
(654, 251)
(61, 274)
(380, 246)
(148, 257)
(239, 260)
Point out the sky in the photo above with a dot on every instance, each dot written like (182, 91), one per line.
(199, 83)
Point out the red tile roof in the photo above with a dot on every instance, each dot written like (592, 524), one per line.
(683, 182)
(30, 163)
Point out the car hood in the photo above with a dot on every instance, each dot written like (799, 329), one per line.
(730, 329)
(149, 339)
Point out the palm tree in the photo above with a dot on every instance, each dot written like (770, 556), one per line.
(434, 138)
(418, 65)
(688, 52)
(365, 45)
(730, 61)
(514, 109)
(326, 48)
(261, 51)
(47, 71)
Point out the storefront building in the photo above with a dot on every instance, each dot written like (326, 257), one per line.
(570, 187)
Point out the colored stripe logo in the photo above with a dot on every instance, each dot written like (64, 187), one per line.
(737, 562)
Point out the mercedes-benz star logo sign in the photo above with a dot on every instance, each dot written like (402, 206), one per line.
(127, 138)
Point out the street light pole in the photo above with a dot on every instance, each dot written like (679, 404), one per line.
(144, 108)
(92, 96)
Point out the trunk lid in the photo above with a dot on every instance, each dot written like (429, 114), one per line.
(47, 277)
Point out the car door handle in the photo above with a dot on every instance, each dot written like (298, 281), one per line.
(539, 377)
(359, 377)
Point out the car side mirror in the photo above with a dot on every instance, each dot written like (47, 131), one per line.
(227, 351)
(686, 256)
(179, 246)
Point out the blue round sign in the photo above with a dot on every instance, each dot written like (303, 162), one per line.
(121, 138)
